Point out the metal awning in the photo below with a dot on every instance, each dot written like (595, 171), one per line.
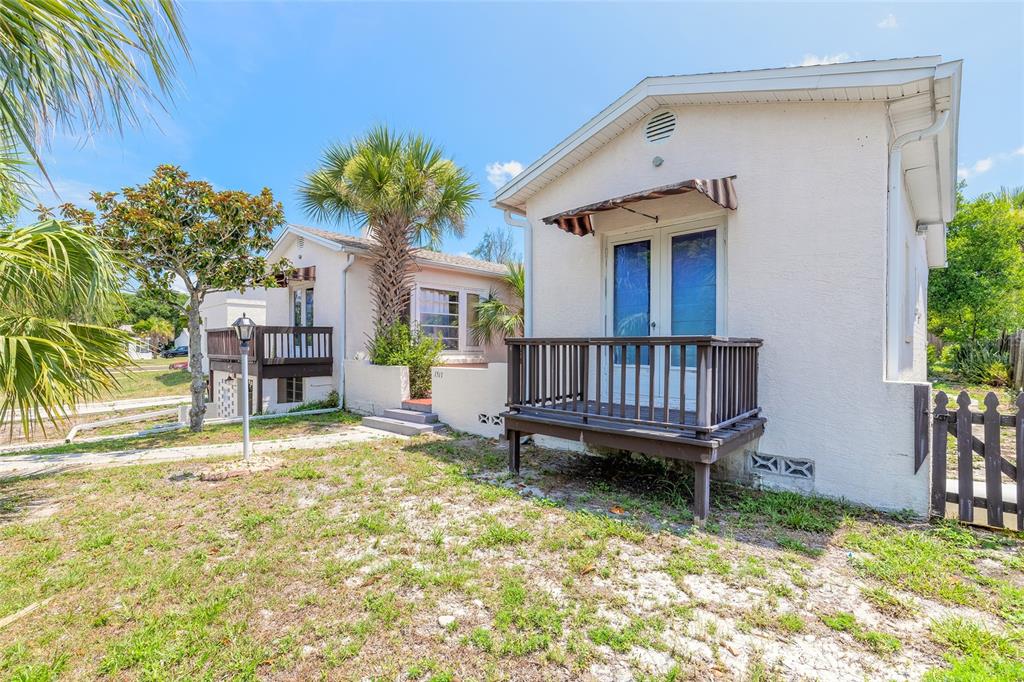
(307, 274)
(577, 221)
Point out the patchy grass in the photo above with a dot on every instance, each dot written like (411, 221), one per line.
(149, 384)
(879, 642)
(420, 560)
(212, 434)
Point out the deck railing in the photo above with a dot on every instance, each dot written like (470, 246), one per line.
(274, 345)
(697, 383)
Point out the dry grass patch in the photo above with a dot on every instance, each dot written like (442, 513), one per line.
(422, 560)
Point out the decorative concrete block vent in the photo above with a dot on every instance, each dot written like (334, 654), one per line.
(488, 419)
(760, 463)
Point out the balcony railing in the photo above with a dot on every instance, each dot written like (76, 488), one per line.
(274, 345)
(692, 383)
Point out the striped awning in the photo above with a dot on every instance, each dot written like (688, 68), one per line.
(307, 274)
(577, 221)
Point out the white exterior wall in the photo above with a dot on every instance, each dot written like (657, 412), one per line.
(804, 269)
(471, 399)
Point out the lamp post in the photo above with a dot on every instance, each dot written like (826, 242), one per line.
(245, 328)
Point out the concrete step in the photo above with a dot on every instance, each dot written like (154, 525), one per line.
(400, 427)
(414, 416)
(418, 404)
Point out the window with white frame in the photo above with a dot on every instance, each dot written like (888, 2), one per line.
(448, 314)
(439, 316)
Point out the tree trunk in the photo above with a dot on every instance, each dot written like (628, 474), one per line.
(391, 276)
(195, 365)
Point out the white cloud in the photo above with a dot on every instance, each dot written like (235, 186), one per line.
(985, 165)
(889, 22)
(814, 60)
(500, 172)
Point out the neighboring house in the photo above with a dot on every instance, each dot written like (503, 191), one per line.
(697, 215)
(323, 315)
(138, 348)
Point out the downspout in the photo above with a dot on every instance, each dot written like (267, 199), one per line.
(896, 278)
(512, 221)
(349, 260)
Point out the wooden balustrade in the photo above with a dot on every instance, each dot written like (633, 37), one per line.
(275, 345)
(697, 383)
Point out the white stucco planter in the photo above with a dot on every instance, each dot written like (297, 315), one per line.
(471, 398)
(371, 389)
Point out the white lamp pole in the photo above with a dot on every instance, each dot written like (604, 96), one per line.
(245, 328)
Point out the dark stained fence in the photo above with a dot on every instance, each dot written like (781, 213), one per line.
(275, 345)
(957, 423)
(1013, 345)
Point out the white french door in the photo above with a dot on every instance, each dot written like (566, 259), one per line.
(663, 282)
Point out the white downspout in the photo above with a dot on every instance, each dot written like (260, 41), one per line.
(349, 260)
(511, 221)
(896, 277)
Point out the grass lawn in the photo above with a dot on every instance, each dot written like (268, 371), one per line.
(421, 560)
(150, 384)
(259, 429)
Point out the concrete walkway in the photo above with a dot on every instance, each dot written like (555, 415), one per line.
(35, 465)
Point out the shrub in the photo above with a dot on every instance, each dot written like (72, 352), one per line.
(981, 362)
(397, 345)
(330, 401)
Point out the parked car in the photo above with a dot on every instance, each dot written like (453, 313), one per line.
(178, 352)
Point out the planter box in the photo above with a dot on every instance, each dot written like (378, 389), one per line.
(471, 398)
(371, 389)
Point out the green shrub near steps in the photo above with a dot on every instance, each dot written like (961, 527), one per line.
(398, 345)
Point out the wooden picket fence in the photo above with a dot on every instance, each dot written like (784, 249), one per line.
(990, 494)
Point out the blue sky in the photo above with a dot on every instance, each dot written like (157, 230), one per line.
(497, 85)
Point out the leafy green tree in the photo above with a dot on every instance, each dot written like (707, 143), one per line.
(78, 63)
(497, 246)
(165, 304)
(157, 331)
(498, 318)
(981, 292)
(49, 359)
(405, 192)
(178, 228)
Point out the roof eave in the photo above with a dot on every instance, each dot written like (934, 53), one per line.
(850, 74)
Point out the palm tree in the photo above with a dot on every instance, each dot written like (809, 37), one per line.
(495, 317)
(69, 64)
(52, 355)
(404, 191)
(86, 63)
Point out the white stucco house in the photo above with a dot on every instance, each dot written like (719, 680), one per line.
(313, 329)
(731, 269)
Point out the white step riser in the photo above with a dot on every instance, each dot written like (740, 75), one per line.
(402, 428)
(413, 416)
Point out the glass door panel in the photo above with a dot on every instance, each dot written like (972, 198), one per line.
(632, 279)
(693, 301)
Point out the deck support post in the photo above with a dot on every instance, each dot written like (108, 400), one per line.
(701, 491)
(513, 451)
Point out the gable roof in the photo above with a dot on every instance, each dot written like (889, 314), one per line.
(916, 79)
(361, 245)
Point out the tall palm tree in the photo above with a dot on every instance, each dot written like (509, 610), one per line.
(498, 318)
(404, 191)
(52, 356)
(72, 64)
(79, 63)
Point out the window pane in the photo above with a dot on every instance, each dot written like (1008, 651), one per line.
(694, 280)
(631, 301)
(439, 316)
(309, 307)
(297, 306)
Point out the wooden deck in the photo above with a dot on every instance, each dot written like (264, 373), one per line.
(619, 393)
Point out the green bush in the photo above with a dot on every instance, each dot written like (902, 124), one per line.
(330, 401)
(981, 362)
(397, 345)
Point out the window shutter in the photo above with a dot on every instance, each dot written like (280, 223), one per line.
(282, 389)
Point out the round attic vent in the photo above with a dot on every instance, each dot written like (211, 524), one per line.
(660, 126)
